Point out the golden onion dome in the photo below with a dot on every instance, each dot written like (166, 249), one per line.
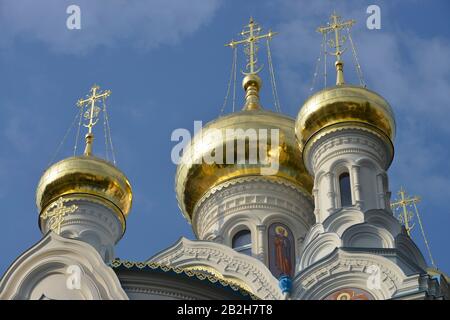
(85, 176)
(344, 104)
(195, 176)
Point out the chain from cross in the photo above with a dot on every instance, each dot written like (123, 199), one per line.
(251, 35)
(56, 213)
(336, 25)
(91, 115)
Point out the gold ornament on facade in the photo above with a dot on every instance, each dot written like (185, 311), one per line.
(56, 214)
(218, 275)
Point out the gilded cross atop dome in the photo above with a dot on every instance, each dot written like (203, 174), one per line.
(251, 35)
(91, 115)
(335, 26)
(252, 82)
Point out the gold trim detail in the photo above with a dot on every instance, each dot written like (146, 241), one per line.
(214, 272)
(116, 263)
(344, 104)
(56, 213)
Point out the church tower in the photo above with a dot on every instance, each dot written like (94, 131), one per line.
(346, 133)
(241, 182)
(85, 197)
(83, 203)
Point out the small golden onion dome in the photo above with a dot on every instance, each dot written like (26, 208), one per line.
(195, 176)
(86, 176)
(344, 104)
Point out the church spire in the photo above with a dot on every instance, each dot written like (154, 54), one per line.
(252, 82)
(91, 115)
(335, 26)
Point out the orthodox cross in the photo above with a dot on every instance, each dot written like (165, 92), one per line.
(336, 25)
(91, 115)
(56, 213)
(406, 216)
(403, 203)
(251, 35)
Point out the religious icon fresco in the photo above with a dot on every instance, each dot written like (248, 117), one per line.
(350, 294)
(281, 250)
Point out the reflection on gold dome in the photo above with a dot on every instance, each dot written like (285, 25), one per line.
(195, 177)
(85, 175)
(344, 104)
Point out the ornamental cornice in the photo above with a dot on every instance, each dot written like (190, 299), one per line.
(267, 183)
(225, 260)
(238, 190)
(341, 263)
(106, 222)
(318, 146)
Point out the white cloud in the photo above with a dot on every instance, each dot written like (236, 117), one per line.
(147, 24)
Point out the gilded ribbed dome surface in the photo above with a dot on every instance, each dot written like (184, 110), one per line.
(195, 176)
(85, 175)
(344, 104)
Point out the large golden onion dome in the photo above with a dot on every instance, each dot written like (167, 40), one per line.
(344, 104)
(85, 176)
(195, 176)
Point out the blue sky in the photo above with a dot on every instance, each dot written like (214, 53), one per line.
(166, 65)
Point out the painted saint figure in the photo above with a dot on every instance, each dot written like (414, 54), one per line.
(350, 294)
(283, 250)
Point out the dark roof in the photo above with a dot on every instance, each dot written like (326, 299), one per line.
(118, 265)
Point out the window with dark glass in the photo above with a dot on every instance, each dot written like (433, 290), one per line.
(345, 191)
(242, 242)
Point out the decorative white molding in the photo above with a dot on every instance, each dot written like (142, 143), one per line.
(342, 269)
(229, 263)
(361, 152)
(93, 222)
(352, 140)
(250, 203)
(42, 271)
(351, 228)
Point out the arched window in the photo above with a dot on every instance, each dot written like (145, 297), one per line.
(242, 242)
(344, 189)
